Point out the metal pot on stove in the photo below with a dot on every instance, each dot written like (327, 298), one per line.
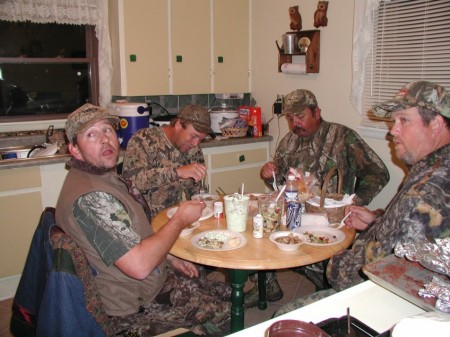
(218, 113)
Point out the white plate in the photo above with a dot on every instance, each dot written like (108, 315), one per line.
(334, 235)
(190, 229)
(231, 240)
(206, 214)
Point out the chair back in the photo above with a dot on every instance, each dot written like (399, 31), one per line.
(58, 295)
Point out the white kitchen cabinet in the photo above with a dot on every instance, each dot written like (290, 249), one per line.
(24, 193)
(230, 166)
(140, 29)
(191, 46)
(165, 47)
(231, 46)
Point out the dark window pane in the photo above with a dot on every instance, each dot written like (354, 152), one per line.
(46, 70)
(41, 88)
(25, 39)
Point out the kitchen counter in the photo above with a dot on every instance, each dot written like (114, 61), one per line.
(61, 158)
(370, 303)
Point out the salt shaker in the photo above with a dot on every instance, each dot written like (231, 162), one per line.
(258, 226)
(218, 209)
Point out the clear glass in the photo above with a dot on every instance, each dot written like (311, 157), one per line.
(271, 212)
(236, 211)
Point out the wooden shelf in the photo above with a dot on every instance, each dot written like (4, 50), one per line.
(312, 55)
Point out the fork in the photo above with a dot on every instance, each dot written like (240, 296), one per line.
(341, 224)
(203, 186)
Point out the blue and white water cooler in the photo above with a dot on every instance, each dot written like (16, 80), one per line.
(133, 117)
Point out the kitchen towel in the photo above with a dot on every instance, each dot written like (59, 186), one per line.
(293, 68)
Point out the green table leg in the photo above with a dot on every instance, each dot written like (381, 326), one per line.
(238, 279)
(262, 300)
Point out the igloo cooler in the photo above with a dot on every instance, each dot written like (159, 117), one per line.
(132, 117)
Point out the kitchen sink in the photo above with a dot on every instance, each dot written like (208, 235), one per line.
(29, 151)
(15, 152)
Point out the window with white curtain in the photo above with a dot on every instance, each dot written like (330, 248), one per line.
(54, 55)
(410, 40)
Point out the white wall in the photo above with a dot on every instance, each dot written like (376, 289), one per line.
(331, 85)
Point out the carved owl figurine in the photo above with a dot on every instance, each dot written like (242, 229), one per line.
(296, 19)
(320, 15)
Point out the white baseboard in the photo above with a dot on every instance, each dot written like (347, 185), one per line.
(8, 286)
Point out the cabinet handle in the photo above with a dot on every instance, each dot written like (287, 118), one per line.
(179, 58)
(241, 158)
(220, 59)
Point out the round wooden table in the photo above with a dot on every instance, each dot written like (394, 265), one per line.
(256, 255)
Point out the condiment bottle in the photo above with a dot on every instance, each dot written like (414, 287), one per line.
(218, 209)
(258, 224)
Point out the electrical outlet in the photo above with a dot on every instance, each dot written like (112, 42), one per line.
(278, 106)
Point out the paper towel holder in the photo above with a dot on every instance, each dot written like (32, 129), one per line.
(312, 53)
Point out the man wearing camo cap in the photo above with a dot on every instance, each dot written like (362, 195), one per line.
(315, 146)
(167, 162)
(144, 290)
(420, 211)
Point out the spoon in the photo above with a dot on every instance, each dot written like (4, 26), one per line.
(341, 224)
(274, 184)
(272, 205)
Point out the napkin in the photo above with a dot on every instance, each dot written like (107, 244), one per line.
(435, 323)
(314, 219)
(331, 203)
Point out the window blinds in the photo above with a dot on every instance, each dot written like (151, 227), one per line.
(411, 41)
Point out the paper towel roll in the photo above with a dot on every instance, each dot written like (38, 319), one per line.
(293, 68)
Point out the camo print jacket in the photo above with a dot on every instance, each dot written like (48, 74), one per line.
(334, 145)
(420, 210)
(151, 162)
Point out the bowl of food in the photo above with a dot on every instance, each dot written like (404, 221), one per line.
(286, 240)
(207, 198)
(189, 229)
(294, 328)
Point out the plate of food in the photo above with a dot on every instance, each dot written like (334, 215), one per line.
(206, 214)
(219, 240)
(320, 235)
(189, 229)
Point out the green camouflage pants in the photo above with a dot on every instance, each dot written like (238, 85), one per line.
(302, 301)
(197, 304)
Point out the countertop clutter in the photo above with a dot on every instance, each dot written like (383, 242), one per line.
(39, 137)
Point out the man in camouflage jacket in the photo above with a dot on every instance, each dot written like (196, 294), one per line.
(145, 291)
(314, 145)
(166, 162)
(420, 211)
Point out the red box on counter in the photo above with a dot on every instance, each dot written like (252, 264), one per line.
(255, 122)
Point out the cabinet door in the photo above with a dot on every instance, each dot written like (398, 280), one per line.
(191, 46)
(140, 28)
(20, 206)
(231, 45)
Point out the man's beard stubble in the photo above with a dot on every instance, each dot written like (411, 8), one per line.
(88, 167)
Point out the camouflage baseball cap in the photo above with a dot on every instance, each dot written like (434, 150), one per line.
(198, 116)
(84, 117)
(297, 101)
(420, 93)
